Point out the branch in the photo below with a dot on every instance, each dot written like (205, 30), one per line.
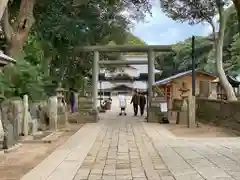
(25, 16)
(210, 21)
(7, 28)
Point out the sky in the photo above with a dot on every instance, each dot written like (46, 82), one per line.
(158, 29)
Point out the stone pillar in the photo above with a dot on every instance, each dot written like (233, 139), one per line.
(95, 79)
(151, 78)
(1, 128)
(52, 112)
(25, 115)
(191, 111)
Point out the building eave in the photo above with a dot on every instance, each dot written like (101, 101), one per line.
(4, 59)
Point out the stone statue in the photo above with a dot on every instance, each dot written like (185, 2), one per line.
(11, 120)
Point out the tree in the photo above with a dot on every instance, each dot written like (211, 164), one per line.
(95, 22)
(204, 11)
(45, 50)
(180, 60)
(19, 16)
(3, 5)
(17, 22)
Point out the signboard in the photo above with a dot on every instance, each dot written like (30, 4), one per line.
(163, 107)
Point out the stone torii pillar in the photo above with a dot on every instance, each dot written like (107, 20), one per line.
(151, 78)
(95, 71)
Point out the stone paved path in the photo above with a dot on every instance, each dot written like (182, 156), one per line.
(126, 148)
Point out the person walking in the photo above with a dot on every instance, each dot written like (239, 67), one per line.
(122, 104)
(135, 102)
(72, 101)
(142, 103)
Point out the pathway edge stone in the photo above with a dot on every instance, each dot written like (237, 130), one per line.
(46, 168)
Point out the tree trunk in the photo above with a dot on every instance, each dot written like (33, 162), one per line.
(17, 36)
(237, 7)
(3, 5)
(219, 56)
(45, 65)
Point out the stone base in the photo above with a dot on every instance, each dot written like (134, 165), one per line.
(82, 118)
(13, 148)
(182, 118)
(155, 115)
(26, 138)
(42, 127)
(33, 126)
(62, 120)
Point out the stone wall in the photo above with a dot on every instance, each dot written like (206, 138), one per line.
(217, 112)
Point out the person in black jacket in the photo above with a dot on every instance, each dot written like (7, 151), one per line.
(72, 101)
(142, 103)
(135, 102)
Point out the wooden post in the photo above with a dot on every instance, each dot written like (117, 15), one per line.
(192, 97)
(95, 79)
(151, 79)
(191, 111)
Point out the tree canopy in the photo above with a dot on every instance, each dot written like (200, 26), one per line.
(204, 52)
(41, 36)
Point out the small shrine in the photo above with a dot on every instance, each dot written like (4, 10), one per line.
(183, 90)
(176, 91)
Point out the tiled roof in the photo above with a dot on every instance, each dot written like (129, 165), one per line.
(143, 68)
(6, 59)
(169, 79)
(135, 85)
(131, 69)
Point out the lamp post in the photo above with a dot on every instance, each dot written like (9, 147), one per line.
(193, 67)
(192, 97)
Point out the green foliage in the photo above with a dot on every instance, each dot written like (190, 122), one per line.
(48, 56)
(205, 55)
(131, 39)
(172, 63)
(22, 78)
(189, 11)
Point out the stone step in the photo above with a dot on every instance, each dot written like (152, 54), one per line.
(85, 106)
(83, 99)
(85, 110)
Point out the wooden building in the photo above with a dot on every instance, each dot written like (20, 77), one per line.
(179, 86)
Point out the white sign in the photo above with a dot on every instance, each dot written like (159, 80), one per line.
(163, 107)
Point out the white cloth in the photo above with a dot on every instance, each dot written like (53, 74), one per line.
(122, 101)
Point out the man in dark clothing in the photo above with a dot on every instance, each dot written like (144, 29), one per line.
(135, 101)
(142, 103)
(72, 101)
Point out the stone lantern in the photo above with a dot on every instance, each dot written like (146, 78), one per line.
(62, 106)
(60, 94)
(184, 94)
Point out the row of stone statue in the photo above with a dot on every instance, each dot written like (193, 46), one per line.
(20, 120)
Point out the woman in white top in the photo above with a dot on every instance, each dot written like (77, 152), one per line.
(122, 104)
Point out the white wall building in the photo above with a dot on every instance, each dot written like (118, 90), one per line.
(125, 79)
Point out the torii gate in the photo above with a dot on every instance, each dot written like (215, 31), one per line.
(149, 49)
